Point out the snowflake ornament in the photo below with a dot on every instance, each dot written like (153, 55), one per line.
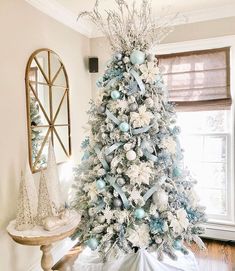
(135, 196)
(142, 118)
(122, 216)
(139, 237)
(149, 72)
(139, 174)
(108, 214)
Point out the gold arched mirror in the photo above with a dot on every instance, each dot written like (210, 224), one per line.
(47, 90)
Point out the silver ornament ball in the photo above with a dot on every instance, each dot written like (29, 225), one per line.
(121, 181)
(91, 212)
(150, 57)
(109, 158)
(133, 107)
(117, 202)
(116, 227)
(101, 109)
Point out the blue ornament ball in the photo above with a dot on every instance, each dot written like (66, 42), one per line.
(177, 245)
(115, 94)
(176, 172)
(137, 57)
(92, 243)
(124, 127)
(139, 213)
(100, 184)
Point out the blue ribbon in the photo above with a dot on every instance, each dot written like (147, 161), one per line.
(150, 156)
(111, 82)
(100, 206)
(113, 148)
(101, 158)
(149, 193)
(125, 201)
(112, 117)
(139, 81)
(132, 88)
(140, 130)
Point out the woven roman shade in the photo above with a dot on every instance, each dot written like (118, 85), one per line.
(198, 80)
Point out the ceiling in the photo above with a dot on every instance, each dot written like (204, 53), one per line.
(66, 11)
(77, 6)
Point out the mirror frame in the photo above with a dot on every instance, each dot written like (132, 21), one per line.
(51, 133)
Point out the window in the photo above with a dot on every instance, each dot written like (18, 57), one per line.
(199, 83)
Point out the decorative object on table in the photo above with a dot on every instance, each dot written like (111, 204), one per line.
(27, 202)
(50, 205)
(40, 237)
(48, 115)
(133, 148)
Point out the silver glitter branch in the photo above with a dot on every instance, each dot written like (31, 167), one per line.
(130, 28)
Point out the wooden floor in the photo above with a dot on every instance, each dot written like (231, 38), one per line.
(219, 256)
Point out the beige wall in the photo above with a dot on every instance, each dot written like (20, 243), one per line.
(195, 31)
(24, 29)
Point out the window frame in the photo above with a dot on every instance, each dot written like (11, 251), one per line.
(215, 228)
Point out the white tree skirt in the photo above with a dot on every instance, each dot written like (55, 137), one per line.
(140, 261)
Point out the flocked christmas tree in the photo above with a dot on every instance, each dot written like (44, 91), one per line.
(132, 188)
(37, 137)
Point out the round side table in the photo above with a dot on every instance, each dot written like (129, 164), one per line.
(45, 240)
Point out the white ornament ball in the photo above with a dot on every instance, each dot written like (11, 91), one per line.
(131, 155)
(160, 198)
(101, 219)
(137, 57)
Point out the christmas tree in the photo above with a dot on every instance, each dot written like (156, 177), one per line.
(132, 188)
(45, 206)
(49, 197)
(36, 135)
(27, 202)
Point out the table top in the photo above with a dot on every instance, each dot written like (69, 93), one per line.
(38, 236)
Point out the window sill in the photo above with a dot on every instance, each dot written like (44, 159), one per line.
(220, 230)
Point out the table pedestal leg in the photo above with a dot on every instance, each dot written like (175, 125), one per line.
(47, 260)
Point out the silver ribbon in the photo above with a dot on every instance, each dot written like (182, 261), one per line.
(112, 117)
(140, 130)
(125, 201)
(101, 158)
(139, 81)
(113, 148)
(149, 193)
